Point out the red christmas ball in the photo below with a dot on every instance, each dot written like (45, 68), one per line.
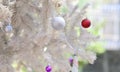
(86, 23)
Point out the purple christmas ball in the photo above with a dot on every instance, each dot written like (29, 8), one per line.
(71, 60)
(48, 68)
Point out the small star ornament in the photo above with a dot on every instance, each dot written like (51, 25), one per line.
(8, 28)
(86, 23)
(58, 23)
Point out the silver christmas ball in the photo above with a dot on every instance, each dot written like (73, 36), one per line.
(58, 23)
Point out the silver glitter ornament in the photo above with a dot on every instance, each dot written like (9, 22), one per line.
(58, 23)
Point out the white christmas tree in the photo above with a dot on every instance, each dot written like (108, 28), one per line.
(39, 33)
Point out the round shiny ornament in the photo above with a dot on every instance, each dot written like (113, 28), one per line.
(58, 23)
(8, 28)
(86, 23)
(71, 61)
(48, 68)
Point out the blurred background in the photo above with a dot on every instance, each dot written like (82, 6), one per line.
(107, 13)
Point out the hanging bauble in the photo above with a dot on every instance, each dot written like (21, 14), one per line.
(86, 23)
(48, 68)
(8, 28)
(58, 23)
(71, 61)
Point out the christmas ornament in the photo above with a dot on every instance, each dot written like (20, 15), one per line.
(8, 28)
(75, 64)
(48, 68)
(58, 23)
(71, 61)
(86, 23)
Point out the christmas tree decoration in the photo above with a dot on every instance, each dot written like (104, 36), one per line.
(8, 28)
(71, 61)
(86, 23)
(33, 43)
(74, 63)
(58, 23)
(48, 68)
